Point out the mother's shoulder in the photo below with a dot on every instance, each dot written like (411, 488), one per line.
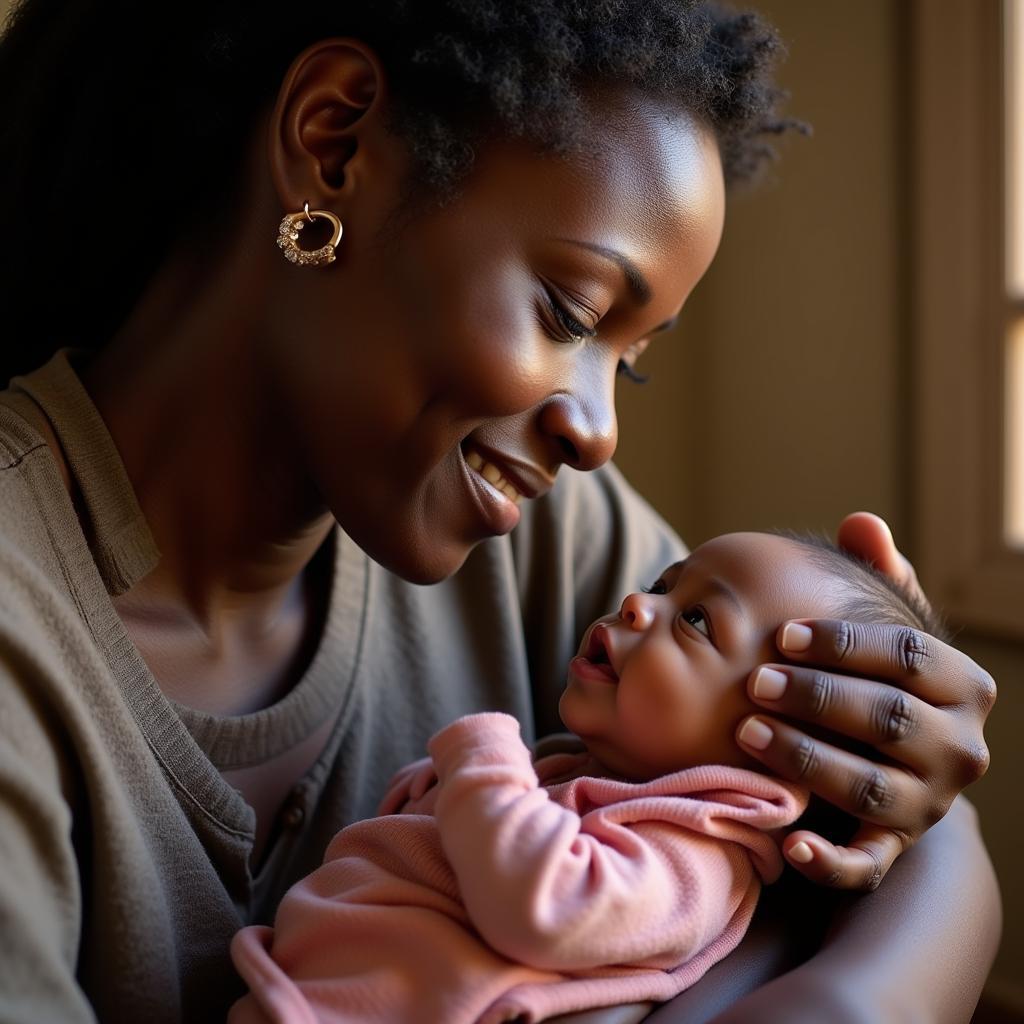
(36, 521)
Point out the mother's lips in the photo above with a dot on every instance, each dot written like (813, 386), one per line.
(501, 470)
(490, 472)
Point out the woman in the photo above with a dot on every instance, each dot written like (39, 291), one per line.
(201, 676)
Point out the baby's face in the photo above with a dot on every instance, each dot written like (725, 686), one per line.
(661, 685)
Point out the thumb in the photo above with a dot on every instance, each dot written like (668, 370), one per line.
(868, 536)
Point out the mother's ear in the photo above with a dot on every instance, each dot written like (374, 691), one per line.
(328, 112)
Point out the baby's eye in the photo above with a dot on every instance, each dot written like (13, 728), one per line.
(696, 618)
(657, 587)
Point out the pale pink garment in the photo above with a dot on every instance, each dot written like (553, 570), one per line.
(498, 895)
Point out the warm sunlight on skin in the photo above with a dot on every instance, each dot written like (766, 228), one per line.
(662, 684)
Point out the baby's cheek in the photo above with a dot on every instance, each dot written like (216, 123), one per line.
(682, 708)
(653, 708)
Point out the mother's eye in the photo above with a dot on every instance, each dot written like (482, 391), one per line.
(628, 371)
(566, 327)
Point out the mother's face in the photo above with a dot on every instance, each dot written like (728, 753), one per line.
(446, 368)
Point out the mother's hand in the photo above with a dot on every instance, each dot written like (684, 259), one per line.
(925, 725)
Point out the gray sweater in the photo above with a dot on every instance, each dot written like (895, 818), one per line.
(125, 862)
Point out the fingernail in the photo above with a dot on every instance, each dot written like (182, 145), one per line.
(769, 683)
(801, 853)
(755, 734)
(796, 637)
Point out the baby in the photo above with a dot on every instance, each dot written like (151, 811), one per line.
(497, 889)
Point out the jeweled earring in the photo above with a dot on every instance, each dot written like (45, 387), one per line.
(288, 238)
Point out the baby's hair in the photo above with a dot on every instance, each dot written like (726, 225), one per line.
(873, 596)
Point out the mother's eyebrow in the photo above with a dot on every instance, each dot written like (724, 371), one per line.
(638, 285)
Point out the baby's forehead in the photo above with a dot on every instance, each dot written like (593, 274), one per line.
(763, 569)
(735, 552)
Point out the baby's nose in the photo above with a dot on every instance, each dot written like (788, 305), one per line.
(637, 611)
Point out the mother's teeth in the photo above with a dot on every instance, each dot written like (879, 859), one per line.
(493, 476)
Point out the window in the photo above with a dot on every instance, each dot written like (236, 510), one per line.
(967, 206)
(1013, 396)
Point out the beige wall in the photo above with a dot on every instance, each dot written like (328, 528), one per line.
(782, 401)
(783, 384)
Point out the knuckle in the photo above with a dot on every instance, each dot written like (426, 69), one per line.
(933, 813)
(871, 793)
(894, 716)
(975, 761)
(986, 691)
(910, 649)
(806, 759)
(844, 640)
(876, 873)
(822, 693)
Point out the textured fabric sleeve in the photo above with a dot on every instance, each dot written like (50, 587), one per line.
(410, 789)
(40, 901)
(553, 889)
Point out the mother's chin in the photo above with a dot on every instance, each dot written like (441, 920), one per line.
(412, 547)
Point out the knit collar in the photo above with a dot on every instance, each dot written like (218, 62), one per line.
(116, 530)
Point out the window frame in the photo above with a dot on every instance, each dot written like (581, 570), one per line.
(960, 314)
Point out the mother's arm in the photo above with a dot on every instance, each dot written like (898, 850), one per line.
(917, 949)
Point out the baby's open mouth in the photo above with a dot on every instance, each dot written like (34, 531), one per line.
(597, 652)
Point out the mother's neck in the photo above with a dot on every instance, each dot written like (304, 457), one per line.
(191, 408)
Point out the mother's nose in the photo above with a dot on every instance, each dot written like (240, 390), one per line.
(638, 611)
(583, 428)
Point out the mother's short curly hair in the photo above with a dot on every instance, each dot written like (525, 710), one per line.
(113, 105)
(470, 67)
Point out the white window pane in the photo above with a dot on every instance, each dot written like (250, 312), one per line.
(1013, 15)
(1015, 437)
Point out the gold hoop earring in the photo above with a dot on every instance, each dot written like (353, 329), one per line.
(288, 238)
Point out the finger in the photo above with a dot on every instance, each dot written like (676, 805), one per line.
(928, 668)
(861, 865)
(868, 537)
(880, 794)
(897, 723)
